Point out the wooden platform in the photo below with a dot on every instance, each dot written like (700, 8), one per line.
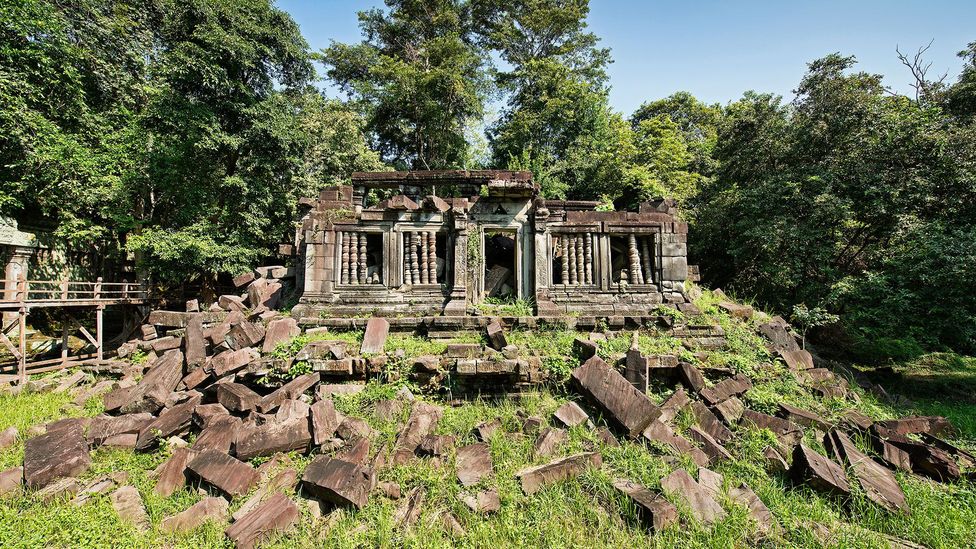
(21, 295)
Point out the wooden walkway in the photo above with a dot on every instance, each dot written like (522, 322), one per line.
(21, 295)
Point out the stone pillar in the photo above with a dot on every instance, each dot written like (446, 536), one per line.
(543, 260)
(458, 260)
(18, 261)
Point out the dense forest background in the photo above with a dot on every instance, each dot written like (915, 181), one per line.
(183, 132)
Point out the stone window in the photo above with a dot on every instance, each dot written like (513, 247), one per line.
(424, 257)
(632, 259)
(572, 259)
(362, 258)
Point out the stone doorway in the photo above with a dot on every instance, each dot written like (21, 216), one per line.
(500, 272)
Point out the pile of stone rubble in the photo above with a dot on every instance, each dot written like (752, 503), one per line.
(206, 377)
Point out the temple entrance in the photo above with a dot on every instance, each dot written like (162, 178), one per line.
(500, 265)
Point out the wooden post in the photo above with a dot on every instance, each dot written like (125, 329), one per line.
(22, 361)
(64, 338)
(98, 318)
(64, 289)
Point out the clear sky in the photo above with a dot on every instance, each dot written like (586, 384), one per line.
(719, 49)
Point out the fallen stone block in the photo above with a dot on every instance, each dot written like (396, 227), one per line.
(452, 526)
(279, 331)
(408, 511)
(203, 414)
(292, 409)
(289, 391)
(797, 360)
(128, 504)
(819, 472)
(171, 475)
(220, 434)
(485, 502)
(354, 427)
(584, 349)
(423, 420)
(150, 394)
(627, 406)
(273, 437)
(571, 415)
(926, 459)
(11, 481)
(244, 279)
(729, 410)
(786, 431)
(681, 487)
(56, 454)
(328, 390)
(744, 496)
(536, 478)
(484, 430)
(655, 511)
(496, 336)
(435, 445)
(245, 334)
(168, 423)
(711, 482)
(673, 406)
(105, 427)
(931, 425)
(662, 434)
(284, 479)
(856, 421)
(231, 361)
(388, 410)
(715, 451)
(691, 377)
(70, 381)
(377, 329)
(194, 342)
(230, 476)
(606, 437)
(61, 488)
(207, 509)
(474, 463)
(710, 424)
(236, 397)
(736, 310)
(337, 481)
(803, 417)
(325, 421)
(167, 343)
(357, 451)
(548, 441)
(879, 484)
(275, 515)
(726, 388)
(774, 461)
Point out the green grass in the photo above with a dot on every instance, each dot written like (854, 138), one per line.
(584, 512)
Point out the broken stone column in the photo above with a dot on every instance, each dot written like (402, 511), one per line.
(636, 277)
(353, 258)
(645, 250)
(564, 248)
(362, 258)
(432, 257)
(345, 258)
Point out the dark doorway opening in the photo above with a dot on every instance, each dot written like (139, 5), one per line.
(500, 279)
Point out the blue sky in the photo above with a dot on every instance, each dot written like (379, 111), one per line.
(719, 49)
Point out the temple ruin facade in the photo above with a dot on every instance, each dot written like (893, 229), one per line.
(443, 242)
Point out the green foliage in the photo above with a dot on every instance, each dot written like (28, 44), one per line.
(506, 306)
(419, 78)
(806, 318)
(867, 216)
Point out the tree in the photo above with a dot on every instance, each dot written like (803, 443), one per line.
(419, 77)
(72, 75)
(221, 139)
(807, 319)
(557, 120)
(962, 94)
(836, 194)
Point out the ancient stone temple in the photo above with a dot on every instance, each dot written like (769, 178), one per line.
(444, 241)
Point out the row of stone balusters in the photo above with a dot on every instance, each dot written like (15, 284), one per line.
(420, 251)
(354, 259)
(639, 254)
(577, 258)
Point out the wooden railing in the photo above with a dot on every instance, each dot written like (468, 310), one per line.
(49, 292)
